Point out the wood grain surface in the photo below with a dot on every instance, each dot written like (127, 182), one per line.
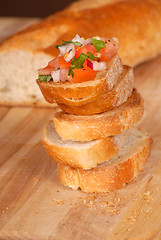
(34, 205)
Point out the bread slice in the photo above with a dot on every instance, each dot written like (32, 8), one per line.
(113, 174)
(113, 122)
(84, 155)
(106, 100)
(68, 92)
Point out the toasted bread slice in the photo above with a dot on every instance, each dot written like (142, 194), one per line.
(84, 155)
(106, 100)
(113, 122)
(86, 91)
(113, 174)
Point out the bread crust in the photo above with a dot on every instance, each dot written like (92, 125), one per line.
(83, 155)
(136, 23)
(114, 122)
(106, 100)
(108, 177)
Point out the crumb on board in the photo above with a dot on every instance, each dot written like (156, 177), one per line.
(59, 202)
(131, 218)
(111, 204)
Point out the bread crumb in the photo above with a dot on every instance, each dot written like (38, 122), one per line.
(132, 218)
(146, 194)
(115, 211)
(129, 229)
(111, 204)
(59, 202)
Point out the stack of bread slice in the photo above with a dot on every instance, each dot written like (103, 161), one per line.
(93, 136)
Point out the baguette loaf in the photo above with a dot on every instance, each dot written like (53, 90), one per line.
(106, 100)
(113, 174)
(87, 128)
(84, 155)
(136, 23)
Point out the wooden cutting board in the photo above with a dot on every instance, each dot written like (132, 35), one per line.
(34, 205)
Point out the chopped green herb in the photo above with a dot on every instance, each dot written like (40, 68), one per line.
(73, 60)
(99, 44)
(77, 63)
(91, 56)
(44, 78)
(65, 42)
(71, 71)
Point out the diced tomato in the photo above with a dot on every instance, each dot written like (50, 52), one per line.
(45, 71)
(83, 74)
(85, 49)
(109, 51)
(85, 64)
(53, 64)
(59, 62)
(63, 63)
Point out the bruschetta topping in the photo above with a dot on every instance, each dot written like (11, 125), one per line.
(79, 59)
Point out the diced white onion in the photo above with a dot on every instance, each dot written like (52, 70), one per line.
(97, 66)
(70, 53)
(97, 37)
(84, 42)
(60, 75)
(69, 48)
(62, 50)
(65, 48)
(77, 38)
(87, 41)
(56, 75)
(64, 74)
